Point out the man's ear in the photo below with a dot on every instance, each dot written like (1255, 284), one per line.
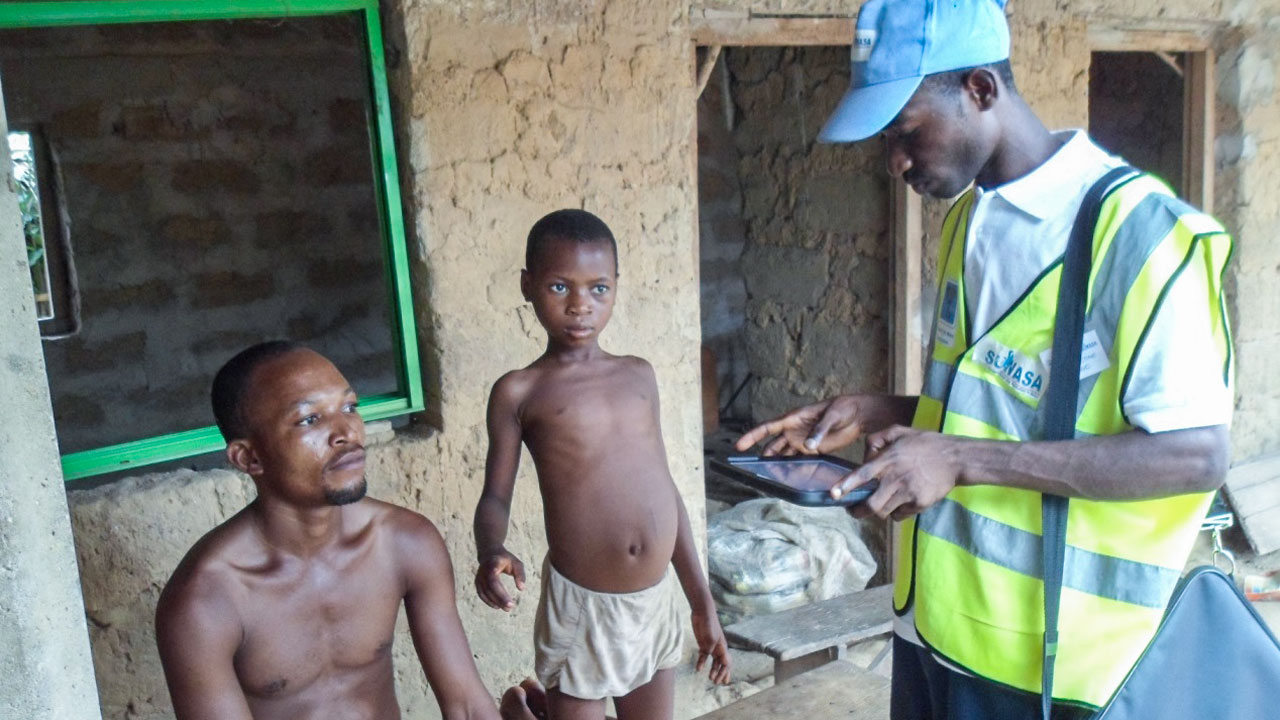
(243, 457)
(982, 87)
(526, 285)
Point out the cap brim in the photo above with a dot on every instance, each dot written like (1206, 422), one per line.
(867, 110)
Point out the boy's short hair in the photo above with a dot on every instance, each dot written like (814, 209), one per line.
(232, 380)
(569, 224)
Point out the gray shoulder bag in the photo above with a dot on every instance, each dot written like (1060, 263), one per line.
(1212, 656)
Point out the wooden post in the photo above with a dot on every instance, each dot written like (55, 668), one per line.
(907, 338)
(1198, 129)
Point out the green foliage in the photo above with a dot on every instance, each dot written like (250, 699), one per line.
(29, 206)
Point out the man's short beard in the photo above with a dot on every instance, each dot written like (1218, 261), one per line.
(348, 495)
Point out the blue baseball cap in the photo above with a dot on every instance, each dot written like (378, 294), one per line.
(898, 42)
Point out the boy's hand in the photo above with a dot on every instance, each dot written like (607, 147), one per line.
(711, 643)
(489, 579)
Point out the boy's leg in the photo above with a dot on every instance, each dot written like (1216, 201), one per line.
(567, 707)
(655, 700)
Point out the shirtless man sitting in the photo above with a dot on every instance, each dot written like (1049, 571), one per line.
(287, 610)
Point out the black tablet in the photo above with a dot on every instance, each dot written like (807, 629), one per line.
(802, 479)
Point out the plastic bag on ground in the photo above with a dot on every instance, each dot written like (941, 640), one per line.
(768, 555)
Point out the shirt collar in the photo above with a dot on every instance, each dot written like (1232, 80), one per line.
(1051, 188)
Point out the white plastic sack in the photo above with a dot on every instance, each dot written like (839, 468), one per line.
(768, 555)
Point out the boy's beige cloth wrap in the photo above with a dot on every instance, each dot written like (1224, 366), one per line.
(595, 645)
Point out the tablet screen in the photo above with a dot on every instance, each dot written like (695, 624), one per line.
(805, 476)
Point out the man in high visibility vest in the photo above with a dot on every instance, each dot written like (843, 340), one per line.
(963, 465)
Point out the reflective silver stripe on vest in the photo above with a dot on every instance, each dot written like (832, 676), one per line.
(1142, 231)
(1015, 549)
(990, 404)
(935, 380)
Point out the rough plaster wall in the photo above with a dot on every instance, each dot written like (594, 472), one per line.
(1248, 197)
(510, 112)
(45, 669)
(518, 109)
(721, 240)
(1051, 55)
(211, 170)
(817, 260)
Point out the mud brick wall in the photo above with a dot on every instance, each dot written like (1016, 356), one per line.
(816, 265)
(218, 186)
(721, 240)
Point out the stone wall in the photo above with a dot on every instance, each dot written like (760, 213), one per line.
(817, 259)
(217, 181)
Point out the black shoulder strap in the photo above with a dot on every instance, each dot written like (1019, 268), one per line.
(1060, 407)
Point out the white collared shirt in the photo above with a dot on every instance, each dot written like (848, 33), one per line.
(1018, 229)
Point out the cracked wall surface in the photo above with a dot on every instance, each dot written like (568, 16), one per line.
(816, 263)
(506, 112)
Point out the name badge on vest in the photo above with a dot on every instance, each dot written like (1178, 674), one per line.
(1024, 374)
(1093, 357)
(946, 333)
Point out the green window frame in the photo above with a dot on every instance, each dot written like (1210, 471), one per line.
(409, 395)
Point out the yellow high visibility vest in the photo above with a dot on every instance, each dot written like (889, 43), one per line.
(971, 565)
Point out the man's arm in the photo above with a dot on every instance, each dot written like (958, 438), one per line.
(198, 632)
(917, 469)
(494, 509)
(434, 623)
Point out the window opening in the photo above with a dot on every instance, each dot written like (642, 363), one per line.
(229, 171)
(22, 152)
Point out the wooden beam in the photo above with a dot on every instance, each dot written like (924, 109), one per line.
(1198, 129)
(743, 31)
(1253, 489)
(1120, 38)
(704, 67)
(1169, 59)
(907, 339)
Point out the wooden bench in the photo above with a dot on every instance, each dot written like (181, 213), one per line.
(1253, 488)
(838, 689)
(805, 637)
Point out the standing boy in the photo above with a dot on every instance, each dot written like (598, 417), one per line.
(607, 623)
(288, 609)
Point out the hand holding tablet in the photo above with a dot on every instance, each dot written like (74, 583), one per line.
(802, 480)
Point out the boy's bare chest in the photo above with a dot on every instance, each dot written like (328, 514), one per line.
(315, 627)
(588, 407)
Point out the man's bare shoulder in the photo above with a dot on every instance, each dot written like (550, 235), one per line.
(414, 538)
(207, 580)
